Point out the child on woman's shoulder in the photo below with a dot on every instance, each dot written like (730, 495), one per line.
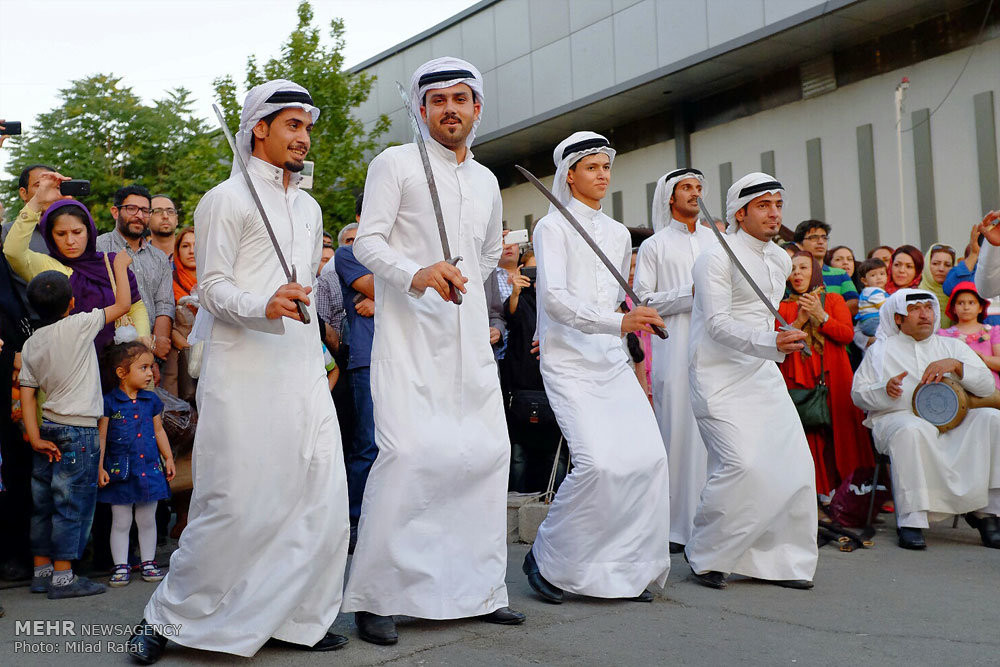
(131, 474)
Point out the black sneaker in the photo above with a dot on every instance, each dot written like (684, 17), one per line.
(78, 588)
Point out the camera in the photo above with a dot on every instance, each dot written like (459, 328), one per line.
(11, 127)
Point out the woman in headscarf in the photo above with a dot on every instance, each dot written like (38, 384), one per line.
(71, 237)
(175, 377)
(845, 445)
(940, 260)
(905, 268)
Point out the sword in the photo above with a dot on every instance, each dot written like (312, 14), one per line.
(785, 326)
(418, 138)
(289, 275)
(586, 237)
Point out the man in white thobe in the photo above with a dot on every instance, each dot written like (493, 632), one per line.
(607, 531)
(934, 475)
(432, 535)
(265, 547)
(988, 268)
(757, 515)
(663, 280)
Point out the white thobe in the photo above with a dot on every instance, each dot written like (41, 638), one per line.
(265, 547)
(988, 271)
(607, 531)
(757, 515)
(432, 540)
(934, 474)
(663, 276)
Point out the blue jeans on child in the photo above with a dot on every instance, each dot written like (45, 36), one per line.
(868, 326)
(361, 455)
(64, 492)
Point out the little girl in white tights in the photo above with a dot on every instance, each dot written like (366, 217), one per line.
(131, 473)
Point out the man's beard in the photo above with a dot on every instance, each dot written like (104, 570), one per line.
(162, 234)
(294, 167)
(123, 228)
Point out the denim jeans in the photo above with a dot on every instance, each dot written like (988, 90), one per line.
(64, 492)
(361, 455)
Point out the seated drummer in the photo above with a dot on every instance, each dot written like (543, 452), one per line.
(934, 475)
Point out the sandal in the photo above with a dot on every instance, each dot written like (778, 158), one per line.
(120, 576)
(150, 572)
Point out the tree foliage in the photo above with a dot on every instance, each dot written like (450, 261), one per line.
(340, 142)
(103, 132)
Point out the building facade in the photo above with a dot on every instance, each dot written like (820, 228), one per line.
(800, 88)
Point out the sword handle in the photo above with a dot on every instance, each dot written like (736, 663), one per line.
(303, 311)
(806, 352)
(659, 332)
(455, 295)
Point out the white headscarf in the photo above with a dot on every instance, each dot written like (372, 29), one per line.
(897, 305)
(745, 190)
(257, 106)
(462, 71)
(570, 151)
(665, 190)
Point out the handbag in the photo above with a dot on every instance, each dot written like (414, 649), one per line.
(117, 467)
(126, 319)
(529, 406)
(812, 405)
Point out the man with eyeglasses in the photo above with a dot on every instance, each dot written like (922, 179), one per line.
(163, 224)
(813, 236)
(131, 211)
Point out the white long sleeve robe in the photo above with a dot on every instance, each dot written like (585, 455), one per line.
(607, 531)
(757, 515)
(432, 536)
(988, 271)
(937, 473)
(265, 547)
(663, 276)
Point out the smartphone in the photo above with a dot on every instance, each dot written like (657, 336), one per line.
(307, 175)
(531, 272)
(11, 127)
(518, 236)
(75, 188)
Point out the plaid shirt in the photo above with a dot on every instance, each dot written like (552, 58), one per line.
(330, 300)
(152, 273)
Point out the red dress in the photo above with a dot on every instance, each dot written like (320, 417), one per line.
(850, 440)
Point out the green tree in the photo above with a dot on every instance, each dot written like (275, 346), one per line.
(102, 132)
(340, 144)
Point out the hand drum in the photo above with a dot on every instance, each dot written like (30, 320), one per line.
(946, 403)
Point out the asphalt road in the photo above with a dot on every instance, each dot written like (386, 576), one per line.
(883, 606)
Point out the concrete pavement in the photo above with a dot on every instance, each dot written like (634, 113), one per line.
(883, 606)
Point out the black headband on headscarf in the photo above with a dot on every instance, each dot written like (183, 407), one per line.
(288, 97)
(444, 75)
(681, 172)
(584, 145)
(920, 296)
(759, 187)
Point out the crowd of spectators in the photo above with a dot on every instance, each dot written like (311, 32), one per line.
(54, 245)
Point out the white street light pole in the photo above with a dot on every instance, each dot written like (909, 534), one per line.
(900, 90)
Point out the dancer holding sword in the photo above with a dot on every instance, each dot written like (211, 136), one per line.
(432, 535)
(264, 551)
(757, 515)
(607, 532)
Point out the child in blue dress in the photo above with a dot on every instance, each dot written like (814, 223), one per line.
(132, 444)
